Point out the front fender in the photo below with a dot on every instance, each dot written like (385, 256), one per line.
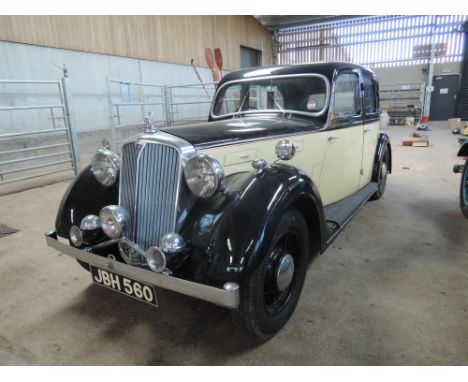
(84, 196)
(231, 233)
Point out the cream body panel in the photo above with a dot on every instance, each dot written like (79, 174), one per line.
(310, 148)
(340, 174)
(370, 137)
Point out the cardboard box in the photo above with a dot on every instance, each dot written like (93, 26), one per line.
(454, 123)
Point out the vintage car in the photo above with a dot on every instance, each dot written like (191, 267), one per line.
(231, 211)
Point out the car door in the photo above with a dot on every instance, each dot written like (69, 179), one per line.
(340, 175)
(371, 127)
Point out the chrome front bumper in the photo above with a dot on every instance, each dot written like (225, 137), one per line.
(218, 296)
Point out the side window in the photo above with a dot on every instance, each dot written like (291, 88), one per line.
(370, 101)
(347, 98)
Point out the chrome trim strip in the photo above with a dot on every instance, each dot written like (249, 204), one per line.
(218, 296)
(252, 79)
(251, 140)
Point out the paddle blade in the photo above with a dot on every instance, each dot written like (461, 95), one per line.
(218, 58)
(209, 57)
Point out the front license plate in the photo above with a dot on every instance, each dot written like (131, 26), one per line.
(122, 284)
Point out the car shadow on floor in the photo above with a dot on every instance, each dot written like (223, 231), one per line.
(181, 324)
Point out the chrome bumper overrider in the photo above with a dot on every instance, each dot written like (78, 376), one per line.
(218, 296)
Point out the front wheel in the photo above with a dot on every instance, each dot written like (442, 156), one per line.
(464, 191)
(270, 294)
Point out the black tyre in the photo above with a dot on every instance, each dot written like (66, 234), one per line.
(464, 190)
(84, 265)
(382, 177)
(270, 294)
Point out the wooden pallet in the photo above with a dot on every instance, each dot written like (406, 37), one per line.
(416, 141)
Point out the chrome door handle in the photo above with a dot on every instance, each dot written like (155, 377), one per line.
(332, 138)
(367, 130)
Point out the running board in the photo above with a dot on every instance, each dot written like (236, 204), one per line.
(340, 213)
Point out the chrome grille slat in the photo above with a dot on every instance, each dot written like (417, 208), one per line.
(154, 189)
(127, 181)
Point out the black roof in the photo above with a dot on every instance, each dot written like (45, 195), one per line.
(327, 69)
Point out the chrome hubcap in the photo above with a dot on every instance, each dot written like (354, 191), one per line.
(285, 272)
(384, 170)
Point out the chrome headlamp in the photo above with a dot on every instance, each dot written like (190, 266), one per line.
(105, 166)
(114, 221)
(204, 175)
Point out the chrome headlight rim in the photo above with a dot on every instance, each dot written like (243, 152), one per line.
(193, 179)
(98, 165)
(114, 221)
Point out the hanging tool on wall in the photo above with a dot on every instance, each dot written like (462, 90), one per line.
(219, 61)
(211, 64)
(199, 78)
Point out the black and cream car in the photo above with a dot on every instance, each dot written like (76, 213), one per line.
(232, 210)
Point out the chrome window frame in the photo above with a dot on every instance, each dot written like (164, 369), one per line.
(252, 79)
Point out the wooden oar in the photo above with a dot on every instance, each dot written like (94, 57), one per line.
(219, 60)
(211, 64)
(200, 79)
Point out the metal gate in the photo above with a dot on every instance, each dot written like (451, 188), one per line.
(25, 151)
(171, 105)
(189, 103)
(129, 102)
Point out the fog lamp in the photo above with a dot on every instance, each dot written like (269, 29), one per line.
(76, 236)
(114, 221)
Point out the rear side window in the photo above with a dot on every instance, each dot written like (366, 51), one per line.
(370, 101)
(347, 98)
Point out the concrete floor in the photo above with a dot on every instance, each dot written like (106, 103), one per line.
(393, 289)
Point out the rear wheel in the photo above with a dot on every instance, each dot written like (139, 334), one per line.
(270, 294)
(464, 190)
(382, 177)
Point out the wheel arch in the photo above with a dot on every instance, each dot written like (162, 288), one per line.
(231, 234)
(315, 226)
(84, 196)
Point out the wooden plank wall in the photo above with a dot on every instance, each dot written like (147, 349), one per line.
(174, 39)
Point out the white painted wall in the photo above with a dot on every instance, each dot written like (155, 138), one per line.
(413, 73)
(87, 84)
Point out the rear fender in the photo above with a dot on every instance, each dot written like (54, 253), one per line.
(383, 143)
(463, 152)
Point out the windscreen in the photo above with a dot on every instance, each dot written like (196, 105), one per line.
(304, 95)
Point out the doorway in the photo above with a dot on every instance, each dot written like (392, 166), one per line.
(443, 97)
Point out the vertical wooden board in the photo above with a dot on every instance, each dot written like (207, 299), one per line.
(174, 39)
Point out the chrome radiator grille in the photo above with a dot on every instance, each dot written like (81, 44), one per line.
(148, 190)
